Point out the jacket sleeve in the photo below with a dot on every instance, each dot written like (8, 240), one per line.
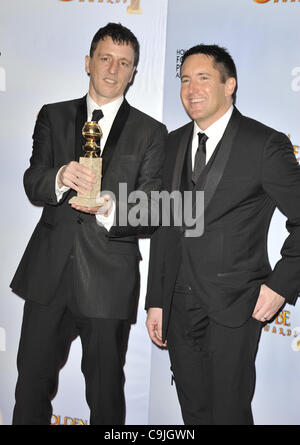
(281, 181)
(149, 180)
(154, 296)
(39, 178)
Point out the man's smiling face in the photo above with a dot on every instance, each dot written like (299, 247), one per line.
(204, 95)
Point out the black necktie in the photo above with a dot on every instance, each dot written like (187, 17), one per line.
(97, 115)
(200, 157)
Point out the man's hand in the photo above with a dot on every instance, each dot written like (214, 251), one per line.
(76, 176)
(154, 325)
(105, 208)
(268, 303)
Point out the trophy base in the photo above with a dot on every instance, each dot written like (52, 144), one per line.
(86, 202)
(90, 198)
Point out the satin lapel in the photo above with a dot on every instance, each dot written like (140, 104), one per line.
(209, 182)
(182, 148)
(179, 161)
(81, 118)
(114, 134)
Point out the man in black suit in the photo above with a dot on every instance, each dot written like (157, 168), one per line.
(208, 296)
(79, 274)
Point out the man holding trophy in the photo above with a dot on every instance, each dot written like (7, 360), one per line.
(79, 274)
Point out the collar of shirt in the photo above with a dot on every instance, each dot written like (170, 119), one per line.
(109, 113)
(214, 133)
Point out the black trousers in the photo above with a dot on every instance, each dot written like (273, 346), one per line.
(213, 365)
(46, 336)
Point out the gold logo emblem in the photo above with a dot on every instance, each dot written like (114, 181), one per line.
(133, 8)
(276, 1)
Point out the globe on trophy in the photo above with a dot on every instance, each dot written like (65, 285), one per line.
(92, 133)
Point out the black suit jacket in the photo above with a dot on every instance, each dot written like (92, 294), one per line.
(253, 171)
(106, 268)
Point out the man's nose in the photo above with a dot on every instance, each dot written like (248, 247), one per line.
(192, 86)
(113, 67)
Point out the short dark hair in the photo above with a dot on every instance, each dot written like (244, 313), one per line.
(119, 34)
(222, 60)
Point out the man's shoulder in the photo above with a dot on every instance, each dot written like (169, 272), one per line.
(61, 111)
(65, 104)
(181, 130)
(256, 127)
(142, 118)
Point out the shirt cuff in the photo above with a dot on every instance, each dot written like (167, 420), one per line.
(107, 221)
(59, 191)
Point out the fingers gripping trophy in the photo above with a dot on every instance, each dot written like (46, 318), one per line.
(92, 133)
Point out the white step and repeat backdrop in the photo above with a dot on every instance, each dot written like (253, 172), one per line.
(42, 46)
(262, 37)
(42, 49)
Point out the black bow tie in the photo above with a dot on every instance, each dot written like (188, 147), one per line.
(97, 115)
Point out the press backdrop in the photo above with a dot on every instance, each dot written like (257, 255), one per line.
(42, 49)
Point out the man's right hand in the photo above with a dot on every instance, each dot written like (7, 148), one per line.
(76, 176)
(154, 325)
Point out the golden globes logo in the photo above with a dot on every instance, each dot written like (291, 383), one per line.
(296, 342)
(282, 326)
(59, 420)
(276, 1)
(134, 6)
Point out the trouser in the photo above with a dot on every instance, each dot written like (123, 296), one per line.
(213, 365)
(46, 336)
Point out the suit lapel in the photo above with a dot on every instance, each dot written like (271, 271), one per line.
(180, 157)
(81, 118)
(179, 161)
(210, 179)
(114, 135)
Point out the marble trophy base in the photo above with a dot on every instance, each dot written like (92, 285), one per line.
(90, 198)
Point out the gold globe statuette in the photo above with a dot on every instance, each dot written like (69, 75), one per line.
(92, 133)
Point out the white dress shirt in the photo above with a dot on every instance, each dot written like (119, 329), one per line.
(110, 111)
(214, 134)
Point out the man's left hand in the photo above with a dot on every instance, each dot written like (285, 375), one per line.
(105, 209)
(268, 303)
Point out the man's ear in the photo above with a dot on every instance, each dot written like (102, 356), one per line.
(230, 86)
(132, 74)
(87, 64)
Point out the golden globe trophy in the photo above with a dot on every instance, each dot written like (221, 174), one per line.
(92, 132)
